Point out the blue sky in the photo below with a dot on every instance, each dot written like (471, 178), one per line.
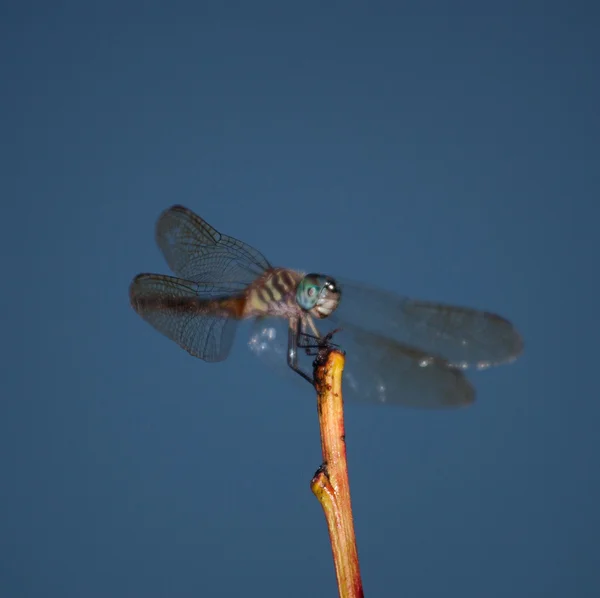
(449, 157)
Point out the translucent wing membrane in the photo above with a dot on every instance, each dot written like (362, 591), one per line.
(378, 370)
(181, 310)
(383, 371)
(196, 251)
(462, 336)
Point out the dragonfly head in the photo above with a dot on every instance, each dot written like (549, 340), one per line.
(318, 294)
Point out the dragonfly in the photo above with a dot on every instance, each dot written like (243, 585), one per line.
(399, 351)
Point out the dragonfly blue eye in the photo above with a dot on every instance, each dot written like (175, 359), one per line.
(307, 293)
(318, 295)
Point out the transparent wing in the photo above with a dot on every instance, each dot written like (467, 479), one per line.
(195, 251)
(382, 370)
(180, 309)
(378, 370)
(462, 336)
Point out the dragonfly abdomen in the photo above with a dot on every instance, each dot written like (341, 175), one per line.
(227, 307)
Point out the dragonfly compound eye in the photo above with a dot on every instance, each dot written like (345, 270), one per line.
(308, 290)
(317, 294)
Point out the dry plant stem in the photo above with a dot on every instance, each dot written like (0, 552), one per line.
(330, 484)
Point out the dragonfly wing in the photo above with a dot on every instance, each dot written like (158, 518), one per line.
(195, 251)
(378, 370)
(462, 336)
(173, 307)
(383, 371)
(268, 340)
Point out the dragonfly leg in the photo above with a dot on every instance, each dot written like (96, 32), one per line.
(312, 343)
(294, 335)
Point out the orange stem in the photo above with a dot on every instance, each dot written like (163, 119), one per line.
(330, 483)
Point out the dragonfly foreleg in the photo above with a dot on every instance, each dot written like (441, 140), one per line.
(312, 344)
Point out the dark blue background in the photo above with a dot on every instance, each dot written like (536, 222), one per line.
(445, 156)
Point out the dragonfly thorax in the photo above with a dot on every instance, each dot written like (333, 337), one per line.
(318, 294)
